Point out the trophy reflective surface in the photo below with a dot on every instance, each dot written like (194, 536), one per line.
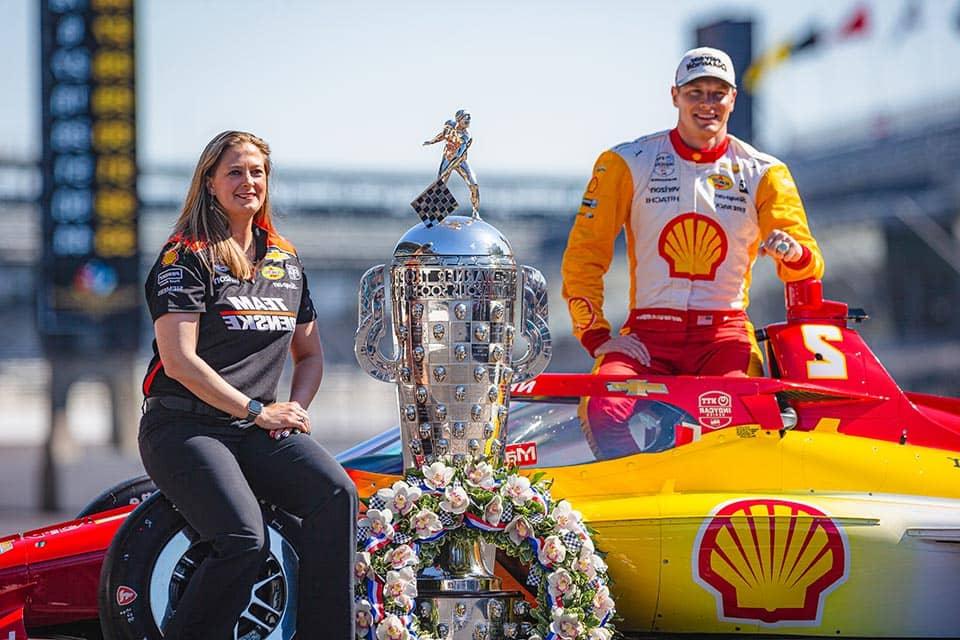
(457, 301)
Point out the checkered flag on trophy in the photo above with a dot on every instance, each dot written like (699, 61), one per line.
(435, 203)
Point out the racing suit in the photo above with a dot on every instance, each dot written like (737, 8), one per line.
(693, 221)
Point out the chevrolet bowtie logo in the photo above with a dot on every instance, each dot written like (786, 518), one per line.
(637, 387)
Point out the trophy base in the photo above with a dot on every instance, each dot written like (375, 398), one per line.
(495, 615)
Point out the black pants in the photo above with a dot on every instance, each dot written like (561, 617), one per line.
(214, 473)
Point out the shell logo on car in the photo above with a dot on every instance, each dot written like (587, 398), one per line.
(694, 246)
(770, 561)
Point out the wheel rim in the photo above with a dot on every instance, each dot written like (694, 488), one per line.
(271, 613)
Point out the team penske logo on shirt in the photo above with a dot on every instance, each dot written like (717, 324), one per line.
(258, 313)
(720, 181)
(694, 246)
(272, 272)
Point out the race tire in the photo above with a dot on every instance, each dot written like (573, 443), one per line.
(132, 491)
(154, 554)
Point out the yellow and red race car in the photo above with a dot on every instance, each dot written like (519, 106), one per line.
(820, 501)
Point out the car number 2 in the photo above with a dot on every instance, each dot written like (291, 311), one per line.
(829, 361)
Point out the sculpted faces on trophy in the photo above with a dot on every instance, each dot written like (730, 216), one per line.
(440, 373)
(440, 412)
(479, 373)
(410, 412)
(421, 395)
(459, 430)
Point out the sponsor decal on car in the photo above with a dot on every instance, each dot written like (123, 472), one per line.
(521, 454)
(523, 387)
(637, 387)
(770, 561)
(272, 272)
(715, 409)
(5, 546)
(125, 595)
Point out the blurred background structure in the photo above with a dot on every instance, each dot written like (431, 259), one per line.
(859, 98)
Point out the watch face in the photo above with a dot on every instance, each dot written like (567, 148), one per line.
(255, 407)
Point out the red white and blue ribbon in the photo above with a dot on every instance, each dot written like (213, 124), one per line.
(475, 521)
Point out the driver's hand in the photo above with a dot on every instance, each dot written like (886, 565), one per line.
(283, 418)
(781, 246)
(629, 345)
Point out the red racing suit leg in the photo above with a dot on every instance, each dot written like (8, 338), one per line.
(700, 343)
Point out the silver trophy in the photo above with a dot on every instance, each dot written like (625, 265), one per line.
(457, 301)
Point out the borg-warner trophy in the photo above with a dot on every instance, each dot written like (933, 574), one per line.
(458, 299)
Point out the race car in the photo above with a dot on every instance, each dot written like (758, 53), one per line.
(821, 500)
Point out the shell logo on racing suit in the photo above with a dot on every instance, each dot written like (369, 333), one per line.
(582, 313)
(770, 561)
(694, 246)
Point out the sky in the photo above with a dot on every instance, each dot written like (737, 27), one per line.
(550, 83)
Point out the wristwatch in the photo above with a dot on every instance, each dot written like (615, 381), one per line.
(254, 409)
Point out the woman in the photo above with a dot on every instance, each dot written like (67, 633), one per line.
(229, 300)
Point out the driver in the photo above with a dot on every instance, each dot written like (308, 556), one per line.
(697, 206)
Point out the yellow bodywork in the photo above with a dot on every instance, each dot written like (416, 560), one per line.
(891, 510)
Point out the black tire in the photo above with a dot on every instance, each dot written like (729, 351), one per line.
(155, 552)
(132, 491)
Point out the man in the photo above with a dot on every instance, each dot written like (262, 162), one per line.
(456, 141)
(697, 207)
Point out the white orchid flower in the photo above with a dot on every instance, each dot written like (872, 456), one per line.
(391, 628)
(400, 498)
(379, 521)
(600, 633)
(481, 475)
(426, 523)
(437, 475)
(602, 602)
(361, 566)
(566, 518)
(494, 510)
(552, 551)
(455, 500)
(401, 583)
(363, 617)
(584, 563)
(517, 488)
(519, 530)
(561, 584)
(566, 625)
(401, 556)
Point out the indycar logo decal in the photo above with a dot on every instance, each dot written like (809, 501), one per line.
(715, 409)
(694, 246)
(664, 165)
(770, 561)
(125, 595)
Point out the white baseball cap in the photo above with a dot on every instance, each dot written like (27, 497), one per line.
(705, 62)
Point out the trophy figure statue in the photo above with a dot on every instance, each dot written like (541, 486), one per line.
(457, 302)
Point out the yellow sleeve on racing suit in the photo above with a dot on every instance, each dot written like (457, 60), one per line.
(603, 213)
(779, 207)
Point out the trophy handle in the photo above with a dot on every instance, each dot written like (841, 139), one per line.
(535, 328)
(370, 327)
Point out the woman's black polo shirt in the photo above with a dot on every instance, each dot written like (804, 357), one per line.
(245, 326)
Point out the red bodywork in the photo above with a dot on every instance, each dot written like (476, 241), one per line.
(820, 368)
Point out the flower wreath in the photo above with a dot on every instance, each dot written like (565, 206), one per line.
(404, 527)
